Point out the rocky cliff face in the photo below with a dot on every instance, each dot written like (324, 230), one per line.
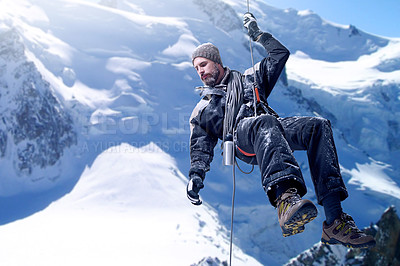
(222, 15)
(35, 129)
(386, 252)
(387, 234)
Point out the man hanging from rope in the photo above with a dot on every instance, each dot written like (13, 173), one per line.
(266, 140)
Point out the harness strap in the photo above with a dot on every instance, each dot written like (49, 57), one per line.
(245, 153)
(257, 94)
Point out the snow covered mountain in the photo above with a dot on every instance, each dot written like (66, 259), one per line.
(35, 131)
(123, 219)
(79, 77)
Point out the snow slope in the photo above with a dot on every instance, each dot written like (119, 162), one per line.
(137, 217)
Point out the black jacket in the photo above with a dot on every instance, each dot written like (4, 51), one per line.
(206, 121)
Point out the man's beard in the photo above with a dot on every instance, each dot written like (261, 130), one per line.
(212, 77)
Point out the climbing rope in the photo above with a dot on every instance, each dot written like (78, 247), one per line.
(255, 97)
(232, 212)
(254, 70)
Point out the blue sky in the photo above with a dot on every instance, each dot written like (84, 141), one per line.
(372, 16)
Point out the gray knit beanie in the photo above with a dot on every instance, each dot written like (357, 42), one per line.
(209, 51)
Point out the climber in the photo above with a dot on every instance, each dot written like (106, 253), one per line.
(263, 138)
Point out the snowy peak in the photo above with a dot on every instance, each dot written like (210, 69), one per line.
(142, 178)
(35, 128)
(128, 208)
(306, 31)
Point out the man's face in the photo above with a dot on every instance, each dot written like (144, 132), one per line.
(207, 70)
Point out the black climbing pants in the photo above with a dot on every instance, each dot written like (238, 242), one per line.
(272, 141)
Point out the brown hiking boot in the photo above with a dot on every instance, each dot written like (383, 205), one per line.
(294, 212)
(344, 231)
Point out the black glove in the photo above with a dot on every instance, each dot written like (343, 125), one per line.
(250, 23)
(192, 190)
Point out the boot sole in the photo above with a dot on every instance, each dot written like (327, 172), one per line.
(333, 241)
(296, 223)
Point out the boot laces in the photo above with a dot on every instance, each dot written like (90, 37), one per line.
(351, 225)
(291, 199)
